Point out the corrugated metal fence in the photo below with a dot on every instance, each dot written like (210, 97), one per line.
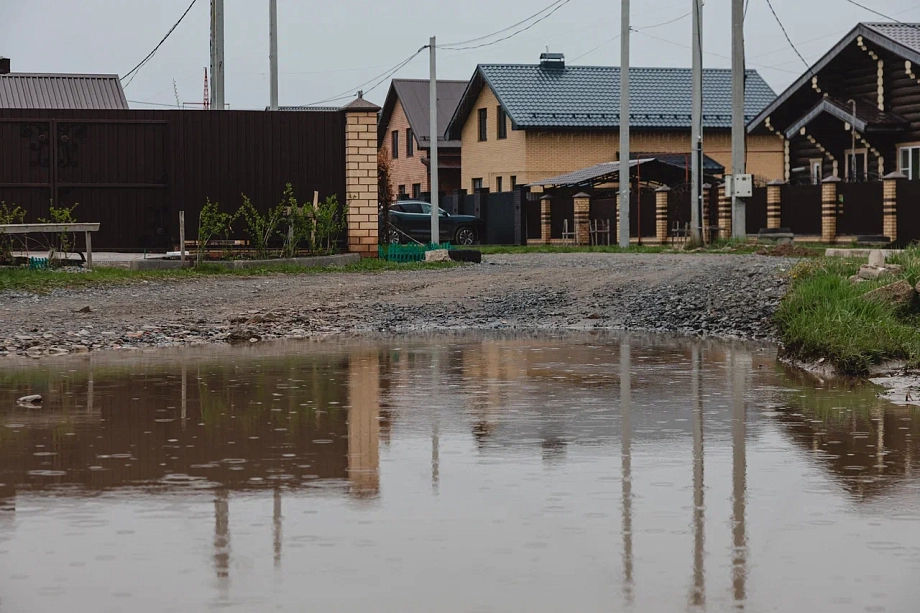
(133, 171)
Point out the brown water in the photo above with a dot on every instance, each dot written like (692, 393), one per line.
(454, 474)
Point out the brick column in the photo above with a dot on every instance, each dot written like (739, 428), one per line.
(361, 177)
(582, 219)
(774, 204)
(546, 219)
(725, 214)
(890, 205)
(829, 209)
(705, 222)
(661, 213)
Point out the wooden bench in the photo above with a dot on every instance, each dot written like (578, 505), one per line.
(55, 228)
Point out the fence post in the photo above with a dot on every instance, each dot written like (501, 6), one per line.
(829, 209)
(774, 203)
(361, 177)
(582, 219)
(546, 219)
(518, 215)
(725, 214)
(661, 213)
(890, 205)
(706, 221)
(480, 203)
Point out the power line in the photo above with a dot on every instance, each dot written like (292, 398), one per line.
(133, 72)
(724, 57)
(608, 41)
(786, 34)
(864, 7)
(382, 77)
(511, 27)
(513, 34)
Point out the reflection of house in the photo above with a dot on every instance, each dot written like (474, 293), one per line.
(404, 130)
(866, 90)
(523, 123)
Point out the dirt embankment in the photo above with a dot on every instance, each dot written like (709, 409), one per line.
(731, 296)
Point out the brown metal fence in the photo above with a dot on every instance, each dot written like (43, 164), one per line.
(860, 208)
(908, 212)
(756, 211)
(801, 209)
(133, 171)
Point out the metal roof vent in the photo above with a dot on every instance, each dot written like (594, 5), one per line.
(552, 61)
(4, 65)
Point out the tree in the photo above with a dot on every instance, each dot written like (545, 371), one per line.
(385, 195)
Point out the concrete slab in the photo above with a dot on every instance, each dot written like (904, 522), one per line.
(325, 261)
(858, 253)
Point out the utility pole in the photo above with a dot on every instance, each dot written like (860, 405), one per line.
(217, 55)
(273, 51)
(433, 155)
(739, 134)
(696, 129)
(624, 126)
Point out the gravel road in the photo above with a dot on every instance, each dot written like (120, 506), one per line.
(710, 295)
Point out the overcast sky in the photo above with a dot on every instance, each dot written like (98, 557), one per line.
(327, 48)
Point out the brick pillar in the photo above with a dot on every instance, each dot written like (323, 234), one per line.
(774, 203)
(661, 213)
(546, 219)
(829, 209)
(582, 219)
(725, 214)
(890, 205)
(361, 177)
(705, 222)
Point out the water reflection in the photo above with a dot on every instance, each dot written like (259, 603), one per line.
(433, 464)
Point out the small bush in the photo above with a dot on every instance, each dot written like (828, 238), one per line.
(299, 223)
(260, 228)
(9, 215)
(62, 214)
(330, 223)
(211, 223)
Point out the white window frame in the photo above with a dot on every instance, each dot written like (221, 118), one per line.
(816, 180)
(907, 171)
(860, 151)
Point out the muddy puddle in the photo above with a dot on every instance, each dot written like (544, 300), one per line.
(454, 473)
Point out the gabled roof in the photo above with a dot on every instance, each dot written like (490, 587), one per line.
(902, 40)
(867, 117)
(414, 96)
(588, 97)
(662, 169)
(19, 90)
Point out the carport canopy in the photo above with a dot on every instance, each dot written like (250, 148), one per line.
(659, 170)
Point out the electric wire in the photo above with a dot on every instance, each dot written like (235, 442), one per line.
(512, 35)
(871, 10)
(497, 32)
(133, 72)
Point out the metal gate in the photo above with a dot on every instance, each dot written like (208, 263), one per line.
(115, 171)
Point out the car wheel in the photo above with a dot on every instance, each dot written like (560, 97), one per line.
(393, 236)
(465, 236)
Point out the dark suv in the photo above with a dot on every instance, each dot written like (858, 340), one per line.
(412, 219)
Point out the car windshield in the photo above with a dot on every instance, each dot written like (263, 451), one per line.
(426, 209)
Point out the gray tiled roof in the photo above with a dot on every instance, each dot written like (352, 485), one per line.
(906, 34)
(589, 96)
(61, 91)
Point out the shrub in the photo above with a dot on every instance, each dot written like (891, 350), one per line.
(299, 223)
(9, 215)
(211, 223)
(260, 228)
(62, 215)
(330, 223)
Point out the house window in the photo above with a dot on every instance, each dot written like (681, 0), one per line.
(416, 190)
(395, 144)
(401, 190)
(910, 161)
(483, 125)
(477, 184)
(513, 182)
(498, 184)
(410, 143)
(817, 171)
(502, 124)
(856, 169)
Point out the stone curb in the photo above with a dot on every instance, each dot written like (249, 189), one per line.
(324, 261)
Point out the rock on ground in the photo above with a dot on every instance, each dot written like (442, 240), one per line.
(712, 295)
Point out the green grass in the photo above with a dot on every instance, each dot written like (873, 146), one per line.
(825, 316)
(717, 247)
(43, 281)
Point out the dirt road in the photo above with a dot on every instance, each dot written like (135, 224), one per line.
(729, 295)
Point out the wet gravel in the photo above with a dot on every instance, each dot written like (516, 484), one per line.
(707, 295)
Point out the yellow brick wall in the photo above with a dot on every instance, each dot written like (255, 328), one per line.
(534, 155)
(492, 158)
(405, 170)
(361, 181)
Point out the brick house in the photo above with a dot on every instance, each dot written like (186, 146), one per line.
(524, 123)
(864, 91)
(404, 131)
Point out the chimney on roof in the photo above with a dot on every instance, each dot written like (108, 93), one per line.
(4, 65)
(552, 61)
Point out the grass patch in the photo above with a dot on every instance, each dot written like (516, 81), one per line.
(44, 281)
(716, 247)
(825, 316)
